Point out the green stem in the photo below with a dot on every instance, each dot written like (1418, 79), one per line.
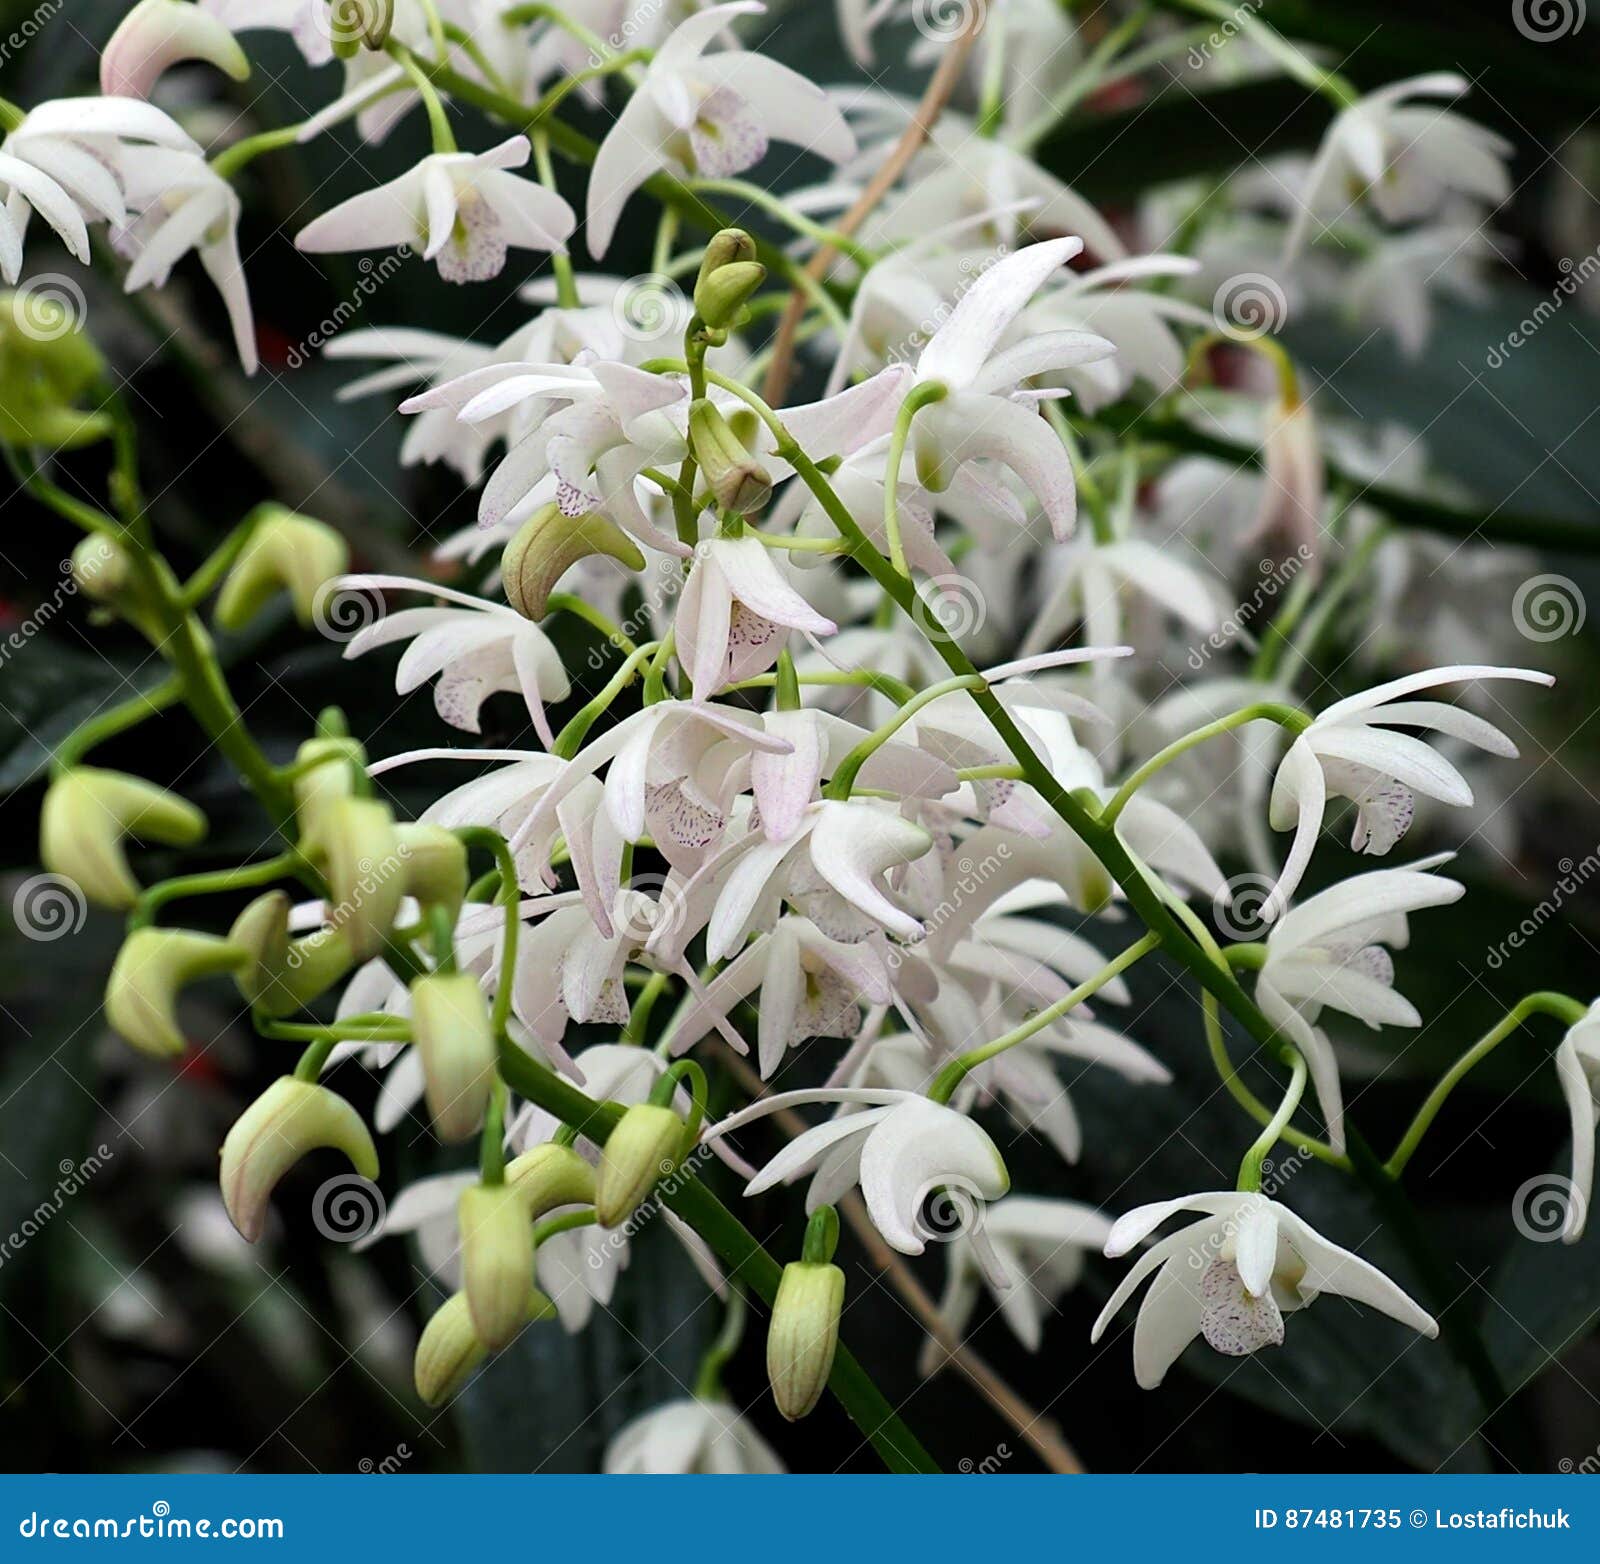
(1250, 1167)
(920, 396)
(708, 1382)
(746, 1260)
(511, 895)
(230, 160)
(844, 775)
(1546, 1002)
(1289, 718)
(213, 883)
(566, 602)
(560, 261)
(119, 719)
(492, 1141)
(952, 1075)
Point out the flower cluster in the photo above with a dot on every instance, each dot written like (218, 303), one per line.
(844, 796)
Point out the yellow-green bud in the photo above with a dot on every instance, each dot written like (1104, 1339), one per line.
(285, 550)
(87, 813)
(720, 297)
(804, 1335)
(318, 788)
(47, 365)
(452, 1029)
(739, 482)
(365, 867)
(284, 975)
(153, 967)
(547, 544)
(496, 1260)
(549, 1177)
(101, 568)
(641, 1150)
(449, 1349)
(289, 1119)
(436, 866)
(726, 247)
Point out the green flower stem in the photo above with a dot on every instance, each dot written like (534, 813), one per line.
(444, 139)
(118, 719)
(492, 1140)
(708, 1382)
(208, 577)
(638, 1023)
(526, 15)
(314, 1060)
(844, 775)
(567, 602)
(884, 684)
(746, 1260)
(213, 883)
(863, 255)
(570, 739)
(1546, 1003)
(920, 396)
(1302, 647)
(560, 262)
(357, 1029)
(1289, 718)
(565, 1223)
(230, 160)
(1295, 62)
(511, 894)
(999, 772)
(474, 51)
(952, 1075)
(1250, 1167)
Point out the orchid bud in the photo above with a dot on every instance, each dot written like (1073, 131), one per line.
(721, 297)
(449, 1349)
(804, 1335)
(739, 482)
(547, 544)
(153, 967)
(101, 568)
(86, 815)
(328, 775)
(496, 1260)
(360, 24)
(283, 974)
(289, 1119)
(436, 866)
(641, 1150)
(47, 365)
(285, 551)
(158, 34)
(723, 285)
(549, 1177)
(451, 1027)
(365, 868)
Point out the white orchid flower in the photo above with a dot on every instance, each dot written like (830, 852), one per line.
(691, 1436)
(177, 203)
(1405, 157)
(735, 614)
(464, 209)
(1038, 1247)
(158, 34)
(811, 986)
(1329, 951)
(1578, 1068)
(478, 648)
(899, 1148)
(1352, 751)
(1232, 1276)
(984, 414)
(707, 114)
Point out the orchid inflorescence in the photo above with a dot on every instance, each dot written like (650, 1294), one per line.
(799, 805)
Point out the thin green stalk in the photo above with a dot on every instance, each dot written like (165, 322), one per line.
(214, 882)
(1250, 1168)
(845, 774)
(917, 398)
(119, 719)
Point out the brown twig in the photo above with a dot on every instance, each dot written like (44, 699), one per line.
(1039, 1431)
(937, 94)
